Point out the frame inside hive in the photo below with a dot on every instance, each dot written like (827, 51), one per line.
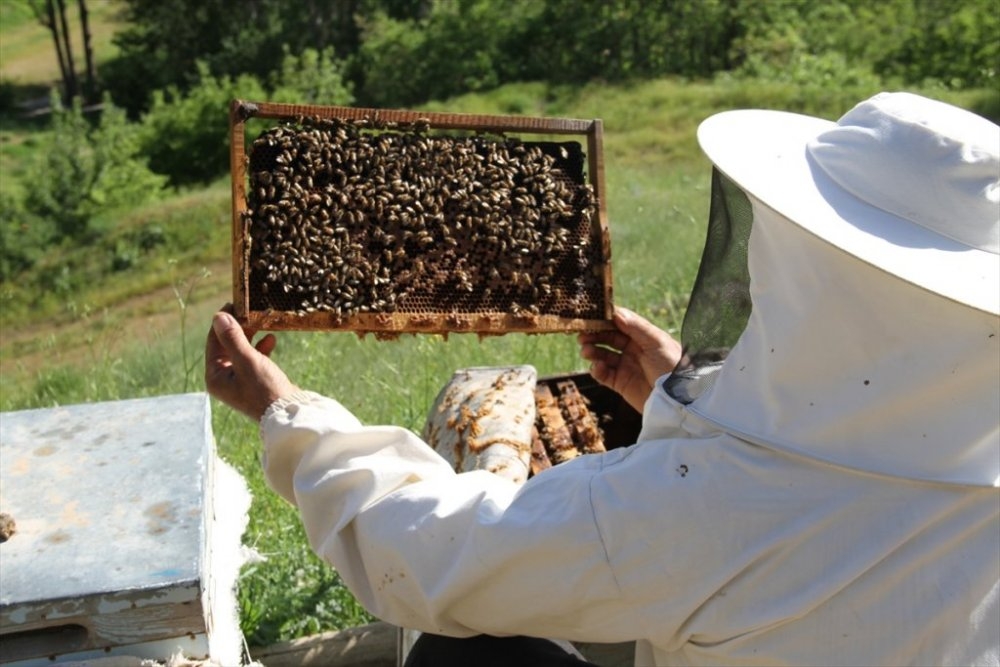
(511, 234)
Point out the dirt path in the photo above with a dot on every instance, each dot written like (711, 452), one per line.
(141, 319)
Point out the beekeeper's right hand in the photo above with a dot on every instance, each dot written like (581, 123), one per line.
(240, 374)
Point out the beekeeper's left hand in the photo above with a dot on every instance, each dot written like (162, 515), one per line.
(630, 359)
(240, 374)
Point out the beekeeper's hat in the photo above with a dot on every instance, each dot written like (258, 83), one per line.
(905, 183)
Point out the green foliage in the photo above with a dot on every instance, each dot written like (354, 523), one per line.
(22, 237)
(166, 39)
(389, 59)
(622, 39)
(297, 595)
(458, 47)
(406, 52)
(138, 251)
(807, 70)
(855, 42)
(59, 183)
(312, 77)
(957, 44)
(160, 47)
(123, 179)
(186, 135)
(80, 170)
(14, 13)
(477, 45)
(809, 45)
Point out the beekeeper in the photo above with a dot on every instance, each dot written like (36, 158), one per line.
(815, 483)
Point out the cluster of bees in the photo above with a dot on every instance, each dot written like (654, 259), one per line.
(351, 217)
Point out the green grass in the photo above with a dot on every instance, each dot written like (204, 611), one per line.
(134, 253)
(657, 197)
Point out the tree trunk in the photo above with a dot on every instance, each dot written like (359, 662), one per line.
(46, 15)
(72, 89)
(90, 86)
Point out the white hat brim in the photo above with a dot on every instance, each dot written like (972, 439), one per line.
(765, 153)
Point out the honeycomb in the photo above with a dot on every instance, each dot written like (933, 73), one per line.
(351, 217)
(565, 425)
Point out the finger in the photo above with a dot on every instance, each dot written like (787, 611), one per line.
(232, 339)
(249, 330)
(218, 367)
(267, 344)
(615, 339)
(638, 328)
(600, 372)
(613, 371)
(213, 346)
(215, 354)
(594, 353)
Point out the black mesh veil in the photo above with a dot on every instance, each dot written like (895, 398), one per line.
(719, 307)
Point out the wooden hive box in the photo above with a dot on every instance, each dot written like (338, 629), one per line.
(120, 547)
(619, 422)
(576, 415)
(392, 221)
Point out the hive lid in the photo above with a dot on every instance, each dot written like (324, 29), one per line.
(112, 508)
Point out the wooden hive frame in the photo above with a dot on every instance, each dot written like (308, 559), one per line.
(390, 324)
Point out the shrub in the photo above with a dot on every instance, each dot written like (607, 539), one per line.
(186, 136)
(58, 183)
(312, 77)
(8, 96)
(388, 57)
(953, 43)
(81, 170)
(22, 237)
(459, 47)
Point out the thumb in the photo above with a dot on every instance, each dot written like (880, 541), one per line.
(636, 327)
(231, 336)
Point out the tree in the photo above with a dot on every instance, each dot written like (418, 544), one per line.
(165, 39)
(90, 87)
(52, 15)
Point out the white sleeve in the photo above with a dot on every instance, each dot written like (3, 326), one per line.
(428, 549)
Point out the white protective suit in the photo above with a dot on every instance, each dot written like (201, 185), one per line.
(813, 507)
(829, 496)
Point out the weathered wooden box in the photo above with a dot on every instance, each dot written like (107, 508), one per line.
(120, 545)
(620, 424)
(393, 221)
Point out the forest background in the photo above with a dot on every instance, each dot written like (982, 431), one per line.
(114, 193)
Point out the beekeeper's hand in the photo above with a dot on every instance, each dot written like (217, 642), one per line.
(240, 374)
(630, 359)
